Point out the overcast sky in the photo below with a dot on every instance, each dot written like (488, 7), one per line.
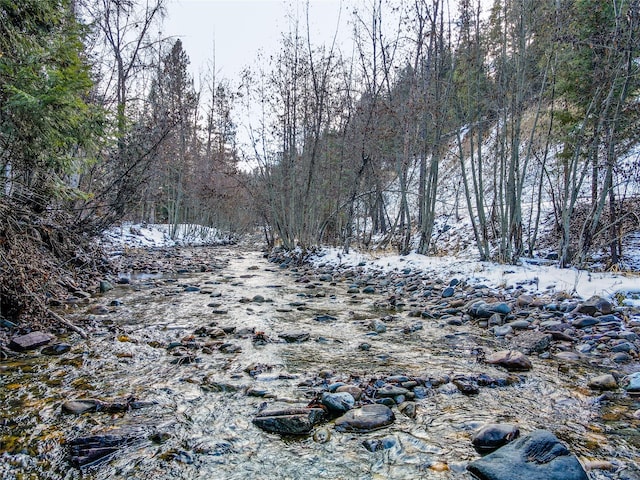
(241, 28)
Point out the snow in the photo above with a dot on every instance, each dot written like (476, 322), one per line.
(138, 235)
(532, 277)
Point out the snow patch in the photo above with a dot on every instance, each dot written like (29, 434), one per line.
(136, 235)
(530, 276)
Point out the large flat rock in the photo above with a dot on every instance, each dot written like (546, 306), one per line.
(30, 341)
(365, 418)
(291, 421)
(537, 456)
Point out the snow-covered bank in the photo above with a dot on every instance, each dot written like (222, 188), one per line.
(136, 235)
(531, 277)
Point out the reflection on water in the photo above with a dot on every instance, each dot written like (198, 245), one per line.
(200, 423)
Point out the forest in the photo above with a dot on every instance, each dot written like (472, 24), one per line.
(502, 115)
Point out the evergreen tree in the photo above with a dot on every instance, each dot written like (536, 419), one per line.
(46, 122)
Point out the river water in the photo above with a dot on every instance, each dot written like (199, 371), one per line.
(198, 423)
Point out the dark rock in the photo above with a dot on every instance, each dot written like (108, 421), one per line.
(621, 357)
(623, 347)
(339, 402)
(325, 318)
(90, 450)
(532, 342)
(289, 421)
(230, 348)
(56, 349)
(493, 436)
(501, 308)
(369, 290)
(510, 359)
(377, 444)
(294, 337)
(448, 292)
(30, 341)
(365, 419)
(585, 322)
(389, 390)
(408, 409)
(537, 456)
(467, 386)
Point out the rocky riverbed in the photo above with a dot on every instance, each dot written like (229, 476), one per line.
(215, 362)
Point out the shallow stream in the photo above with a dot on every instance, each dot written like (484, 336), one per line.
(198, 425)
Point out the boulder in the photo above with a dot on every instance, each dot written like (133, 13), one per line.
(365, 419)
(603, 382)
(289, 421)
(512, 360)
(529, 342)
(338, 403)
(30, 341)
(633, 383)
(537, 456)
(493, 436)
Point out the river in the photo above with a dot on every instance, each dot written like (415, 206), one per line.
(157, 341)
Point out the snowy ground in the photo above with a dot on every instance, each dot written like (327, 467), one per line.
(532, 277)
(160, 235)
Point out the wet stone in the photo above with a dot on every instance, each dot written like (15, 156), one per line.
(448, 292)
(30, 341)
(585, 322)
(339, 402)
(621, 357)
(378, 444)
(510, 359)
(467, 386)
(377, 326)
(603, 382)
(537, 456)
(78, 407)
(295, 337)
(493, 436)
(356, 392)
(85, 451)
(290, 421)
(365, 418)
(56, 349)
(633, 383)
(532, 342)
(389, 391)
(408, 409)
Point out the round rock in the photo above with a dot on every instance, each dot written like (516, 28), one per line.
(365, 419)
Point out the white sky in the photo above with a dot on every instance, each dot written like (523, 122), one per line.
(241, 28)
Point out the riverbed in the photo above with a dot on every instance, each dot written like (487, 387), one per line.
(195, 353)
